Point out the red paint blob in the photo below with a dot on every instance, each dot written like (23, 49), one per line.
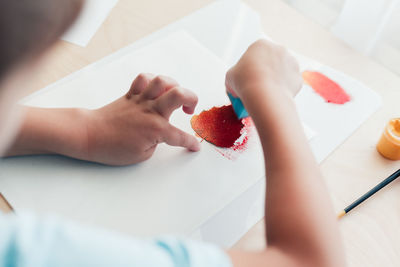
(325, 87)
(219, 126)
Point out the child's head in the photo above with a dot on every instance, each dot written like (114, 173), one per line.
(27, 29)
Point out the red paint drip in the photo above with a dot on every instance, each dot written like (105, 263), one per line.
(325, 87)
(219, 126)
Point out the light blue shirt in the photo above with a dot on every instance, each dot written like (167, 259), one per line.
(28, 241)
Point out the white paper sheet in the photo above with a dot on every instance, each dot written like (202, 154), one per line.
(93, 14)
(334, 123)
(175, 191)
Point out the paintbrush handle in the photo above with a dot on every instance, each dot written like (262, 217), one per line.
(375, 189)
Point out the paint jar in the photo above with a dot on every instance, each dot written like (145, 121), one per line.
(389, 144)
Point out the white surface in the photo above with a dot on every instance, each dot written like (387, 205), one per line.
(175, 191)
(227, 226)
(23, 180)
(334, 123)
(93, 14)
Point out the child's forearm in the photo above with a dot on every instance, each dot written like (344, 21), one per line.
(52, 131)
(299, 215)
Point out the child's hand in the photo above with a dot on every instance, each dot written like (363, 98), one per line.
(297, 215)
(128, 130)
(264, 66)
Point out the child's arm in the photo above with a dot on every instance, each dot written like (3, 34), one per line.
(124, 132)
(300, 223)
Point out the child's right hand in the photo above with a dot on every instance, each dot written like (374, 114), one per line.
(264, 66)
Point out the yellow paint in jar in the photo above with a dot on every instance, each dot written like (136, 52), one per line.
(389, 144)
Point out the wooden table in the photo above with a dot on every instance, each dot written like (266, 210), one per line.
(370, 233)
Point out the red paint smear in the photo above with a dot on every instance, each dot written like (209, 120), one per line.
(241, 144)
(219, 126)
(325, 87)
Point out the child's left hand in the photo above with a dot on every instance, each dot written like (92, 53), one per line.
(129, 129)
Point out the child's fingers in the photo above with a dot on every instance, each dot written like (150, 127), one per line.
(139, 84)
(176, 137)
(228, 83)
(158, 86)
(175, 98)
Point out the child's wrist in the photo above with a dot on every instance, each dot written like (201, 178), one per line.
(267, 104)
(266, 91)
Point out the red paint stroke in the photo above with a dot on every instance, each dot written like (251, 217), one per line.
(219, 126)
(325, 87)
(240, 144)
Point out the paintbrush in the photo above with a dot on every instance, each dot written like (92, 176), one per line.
(364, 197)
